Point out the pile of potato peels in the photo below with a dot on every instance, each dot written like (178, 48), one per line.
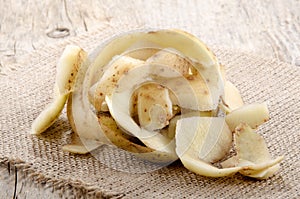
(163, 96)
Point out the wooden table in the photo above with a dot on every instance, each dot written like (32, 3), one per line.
(270, 28)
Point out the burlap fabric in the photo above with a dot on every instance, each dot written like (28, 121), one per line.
(27, 87)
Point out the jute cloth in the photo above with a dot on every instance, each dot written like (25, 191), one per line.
(28, 86)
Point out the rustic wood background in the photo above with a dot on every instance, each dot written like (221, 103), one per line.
(270, 28)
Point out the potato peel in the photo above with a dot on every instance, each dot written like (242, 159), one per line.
(150, 95)
(204, 138)
(252, 159)
(205, 169)
(154, 107)
(67, 67)
(232, 98)
(122, 141)
(171, 129)
(253, 153)
(253, 114)
(49, 115)
(192, 86)
(174, 59)
(81, 146)
(120, 65)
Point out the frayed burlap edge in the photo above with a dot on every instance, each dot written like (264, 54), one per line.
(76, 189)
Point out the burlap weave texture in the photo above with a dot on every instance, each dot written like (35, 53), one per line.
(25, 92)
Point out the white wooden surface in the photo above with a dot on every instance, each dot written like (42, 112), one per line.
(270, 28)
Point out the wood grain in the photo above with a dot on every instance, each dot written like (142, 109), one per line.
(270, 28)
(15, 184)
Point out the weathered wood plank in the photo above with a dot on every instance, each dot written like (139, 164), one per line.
(269, 28)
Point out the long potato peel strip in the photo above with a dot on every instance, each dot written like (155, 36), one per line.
(68, 65)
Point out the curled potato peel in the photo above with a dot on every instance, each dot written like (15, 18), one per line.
(204, 60)
(122, 140)
(154, 107)
(68, 65)
(205, 138)
(119, 105)
(174, 59)
(119, 66)
(156, 94)
(252, 159)
(49, 115)
(252, 154)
